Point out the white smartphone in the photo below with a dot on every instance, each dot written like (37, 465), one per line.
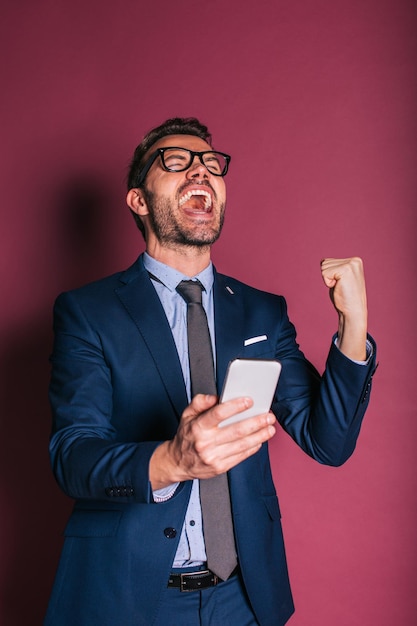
(256, 378)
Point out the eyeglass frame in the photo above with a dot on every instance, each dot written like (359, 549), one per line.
(160, 152)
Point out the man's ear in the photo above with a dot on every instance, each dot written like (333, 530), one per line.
(136, 201)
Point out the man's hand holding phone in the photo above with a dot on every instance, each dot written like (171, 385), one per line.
(201, 449)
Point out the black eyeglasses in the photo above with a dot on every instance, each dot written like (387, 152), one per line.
(180, 159)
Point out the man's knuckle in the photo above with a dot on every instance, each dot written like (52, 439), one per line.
(199, 448)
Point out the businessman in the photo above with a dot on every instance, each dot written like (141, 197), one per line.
(176, 519)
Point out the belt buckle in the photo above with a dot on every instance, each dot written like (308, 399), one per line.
(185, 575)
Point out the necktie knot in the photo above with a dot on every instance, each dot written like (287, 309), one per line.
(191, 291)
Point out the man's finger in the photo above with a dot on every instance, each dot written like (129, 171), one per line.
(199, 404)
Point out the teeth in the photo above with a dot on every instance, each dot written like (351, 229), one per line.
(196, 192)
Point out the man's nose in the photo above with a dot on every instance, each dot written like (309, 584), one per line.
(197, 169)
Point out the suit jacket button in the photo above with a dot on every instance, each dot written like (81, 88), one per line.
(170, 533)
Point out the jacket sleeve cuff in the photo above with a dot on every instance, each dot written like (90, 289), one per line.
(369, 352)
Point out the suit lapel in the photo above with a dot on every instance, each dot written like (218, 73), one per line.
(143, 305)
(230, 333)
(229, 325)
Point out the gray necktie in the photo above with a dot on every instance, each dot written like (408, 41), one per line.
(214, 492)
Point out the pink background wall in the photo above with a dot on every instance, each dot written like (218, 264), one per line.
(316, 102)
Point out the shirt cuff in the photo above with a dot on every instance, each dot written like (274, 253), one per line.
(164, 494)
(369, 352)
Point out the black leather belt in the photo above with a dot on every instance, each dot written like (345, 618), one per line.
(194, 581)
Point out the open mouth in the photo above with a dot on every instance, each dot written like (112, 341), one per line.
(196, 200)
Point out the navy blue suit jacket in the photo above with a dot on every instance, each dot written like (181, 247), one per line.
(117, 391)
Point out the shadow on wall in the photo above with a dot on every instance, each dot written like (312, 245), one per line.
(34, 510)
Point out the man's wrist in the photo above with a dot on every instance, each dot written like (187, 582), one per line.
(163, 471)
(352, 334)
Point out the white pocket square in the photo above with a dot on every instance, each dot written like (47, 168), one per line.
(249, 342)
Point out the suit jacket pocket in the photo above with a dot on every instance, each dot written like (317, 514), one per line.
(261, 350)
(93, 523)
(271, 503)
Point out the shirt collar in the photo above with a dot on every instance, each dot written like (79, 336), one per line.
(171, 277)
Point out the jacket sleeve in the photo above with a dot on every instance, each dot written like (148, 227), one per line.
(89, 457)
(323, 414)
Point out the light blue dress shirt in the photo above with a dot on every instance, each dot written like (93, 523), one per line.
(191, 549)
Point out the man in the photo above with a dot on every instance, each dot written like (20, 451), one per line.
(135, 446)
